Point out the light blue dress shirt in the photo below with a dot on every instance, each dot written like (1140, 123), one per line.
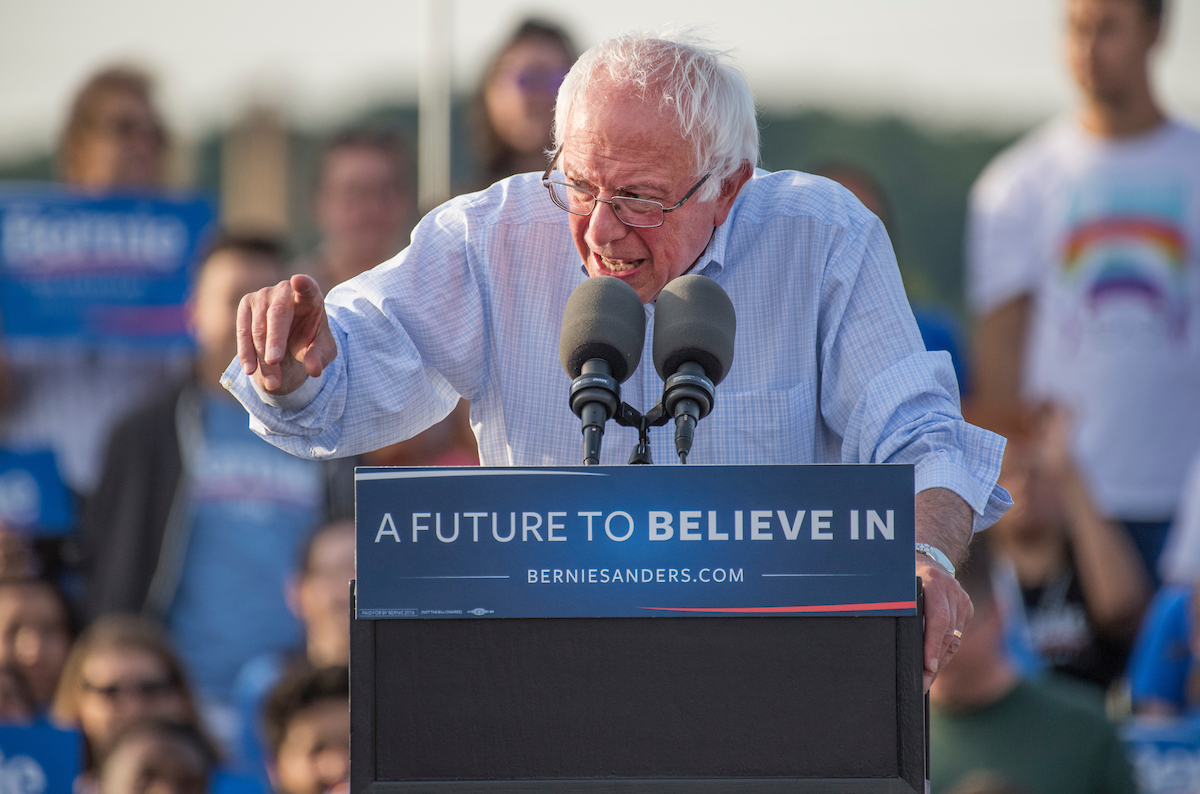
(828, 363)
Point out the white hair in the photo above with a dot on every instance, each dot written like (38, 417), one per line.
(708, 94)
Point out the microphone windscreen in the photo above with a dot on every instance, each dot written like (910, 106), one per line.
(694, 321)
(604, 319)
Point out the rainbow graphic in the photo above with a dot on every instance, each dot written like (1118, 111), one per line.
(1129, 259)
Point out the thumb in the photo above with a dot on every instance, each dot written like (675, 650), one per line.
(320, 353)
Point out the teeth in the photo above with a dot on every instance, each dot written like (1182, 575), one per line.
(618, 266)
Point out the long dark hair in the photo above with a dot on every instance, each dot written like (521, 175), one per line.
(496, 157)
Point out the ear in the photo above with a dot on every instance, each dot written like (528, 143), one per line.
(730, 187)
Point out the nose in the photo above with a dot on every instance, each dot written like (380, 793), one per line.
(604, 227)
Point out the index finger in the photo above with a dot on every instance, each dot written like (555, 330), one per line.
(246, 353)
(279, 322)
(307, 289)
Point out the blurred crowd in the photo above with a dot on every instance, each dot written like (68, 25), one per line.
(194, 625)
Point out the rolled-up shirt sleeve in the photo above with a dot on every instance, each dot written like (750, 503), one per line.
(410, 341)
(888, 399)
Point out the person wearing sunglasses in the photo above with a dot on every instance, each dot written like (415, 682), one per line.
(121, 670)
(514, 107)
(653, 178)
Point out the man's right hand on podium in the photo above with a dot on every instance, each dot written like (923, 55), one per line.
(283, 335)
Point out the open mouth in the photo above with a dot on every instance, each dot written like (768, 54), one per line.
(616, 267)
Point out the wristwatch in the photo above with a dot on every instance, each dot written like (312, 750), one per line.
(937, 555)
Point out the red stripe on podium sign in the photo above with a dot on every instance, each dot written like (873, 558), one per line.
(824, 608)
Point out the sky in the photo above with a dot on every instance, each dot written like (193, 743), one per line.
(957, 64)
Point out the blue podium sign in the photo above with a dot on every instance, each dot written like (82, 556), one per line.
(635, 541)
(111, 270)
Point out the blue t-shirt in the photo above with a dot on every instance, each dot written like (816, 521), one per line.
(252, 505)
(1162, 658)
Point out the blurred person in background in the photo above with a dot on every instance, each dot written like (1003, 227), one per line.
(1180, 562)
(157, 757)
(363, 206)
(114, 136)
(17, 705)
(197, 521)
(1081, 588)
(35, 634)
(68, 400)
(121, 670)
(1082, 260)
(18, 558)
(1035, 736)
(307, 724)
(319, 595)
(939, 328)
(514, 109)
(1164, 678)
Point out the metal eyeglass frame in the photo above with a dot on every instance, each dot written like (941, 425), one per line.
(547, 183)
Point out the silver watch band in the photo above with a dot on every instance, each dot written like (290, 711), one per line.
(937, 555)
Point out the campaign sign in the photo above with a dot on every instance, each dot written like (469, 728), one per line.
(32, 494)
(1165, 754)
(112, 270)
(38, 759)
(635, 541)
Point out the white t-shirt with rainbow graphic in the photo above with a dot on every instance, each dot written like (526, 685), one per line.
(1105, 235)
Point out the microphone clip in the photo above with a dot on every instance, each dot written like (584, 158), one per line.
(629, 416)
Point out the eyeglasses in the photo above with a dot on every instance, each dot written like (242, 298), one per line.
(636, 212)
(127, 128)
(543, 81)
(148, 690)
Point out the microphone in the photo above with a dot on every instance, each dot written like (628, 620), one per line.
(694, 325)
(603, 331)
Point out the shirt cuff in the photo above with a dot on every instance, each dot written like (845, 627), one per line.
(236, 381)
(988, 504)
(293, 401)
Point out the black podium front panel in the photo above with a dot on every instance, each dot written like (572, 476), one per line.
(627, 704)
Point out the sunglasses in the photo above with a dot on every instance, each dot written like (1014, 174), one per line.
(148, 689)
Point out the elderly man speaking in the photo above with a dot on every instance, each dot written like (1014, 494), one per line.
(828, 364)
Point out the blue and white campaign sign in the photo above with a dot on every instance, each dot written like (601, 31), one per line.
(38, 759)
(1165, 754)
(635, 541)
(33, 496)
(108, 270)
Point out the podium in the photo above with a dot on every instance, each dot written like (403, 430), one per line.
(566, 683)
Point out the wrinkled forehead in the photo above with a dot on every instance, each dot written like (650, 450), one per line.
(606, 94)
(613, 125)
